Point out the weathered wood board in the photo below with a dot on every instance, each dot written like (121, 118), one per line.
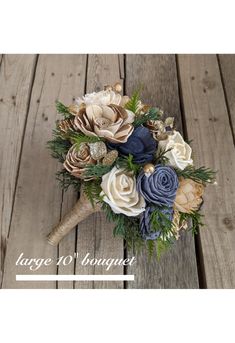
(158, 77)
(38, 195)
(227, 65)
(16, 77)
(95, 235)
(208, 126)
(75, 88)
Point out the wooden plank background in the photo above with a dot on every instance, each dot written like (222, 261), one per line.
(197, 89)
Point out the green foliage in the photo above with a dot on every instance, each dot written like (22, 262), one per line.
(202, 174)
(78, 138)
(195, 218)
(59, 146)
(125, 227)
(62, 109)
(97, 170)
(92, 191)
(133, 103)
(127, 163)
(157, 248)
(161, 157)
(128, 229)
(66, 180)
(162, 247)
(153, 114)
(159, 221)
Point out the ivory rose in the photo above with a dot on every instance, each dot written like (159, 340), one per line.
(180, 154)
(102, 98)
(119, 191)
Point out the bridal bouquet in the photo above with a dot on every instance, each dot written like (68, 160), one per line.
(125, 158)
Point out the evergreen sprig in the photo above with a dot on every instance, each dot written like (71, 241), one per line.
(128, 229)
(127, 163)
(66, 180)
(133, 103)
(153, 114)
(161, 157)
(92, 190)
(196, 220)
(157, 247)
(59, 146)
(161, 247)
(159, 221)
(62, 109)
(125, 227)
(202, 174)
(97, 170)
(78, 138)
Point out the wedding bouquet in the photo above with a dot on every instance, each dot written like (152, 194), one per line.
(126, 160)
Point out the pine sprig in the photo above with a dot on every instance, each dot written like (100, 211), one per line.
(202, 174)
(196, 220)
(79, 138)
(92, 190)
(161, 157)
(62, 109)
(161, 247)
(97, 170)
(59, 146)
(160, 222)
(133, 103)
(125, 227)
(66, 180)
(157, 248)
(126, 162)
(152, 114)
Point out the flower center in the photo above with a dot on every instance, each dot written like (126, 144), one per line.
(103, 123)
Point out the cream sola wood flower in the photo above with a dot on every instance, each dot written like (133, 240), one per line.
(178, 151)
(120, 193)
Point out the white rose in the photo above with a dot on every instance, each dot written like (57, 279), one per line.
(102, 98)
(180, 154)
(119, 191)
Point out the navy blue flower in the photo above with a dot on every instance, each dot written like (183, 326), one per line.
(147, 232)
(140, 144)
(159, 187)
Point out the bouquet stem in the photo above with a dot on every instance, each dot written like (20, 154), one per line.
(81, 210)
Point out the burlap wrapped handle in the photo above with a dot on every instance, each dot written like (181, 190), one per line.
(81, 210)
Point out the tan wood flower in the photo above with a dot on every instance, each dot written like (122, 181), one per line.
(112, 122)
(77, 159)
(188, 196)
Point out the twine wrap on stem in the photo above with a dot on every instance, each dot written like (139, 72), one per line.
(81, 210)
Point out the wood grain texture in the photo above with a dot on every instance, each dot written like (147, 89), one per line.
(158, 78)
(95, 235)
(76, 88)
(208, 126)
(38, 195)
(16, 75)
(227, 65)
